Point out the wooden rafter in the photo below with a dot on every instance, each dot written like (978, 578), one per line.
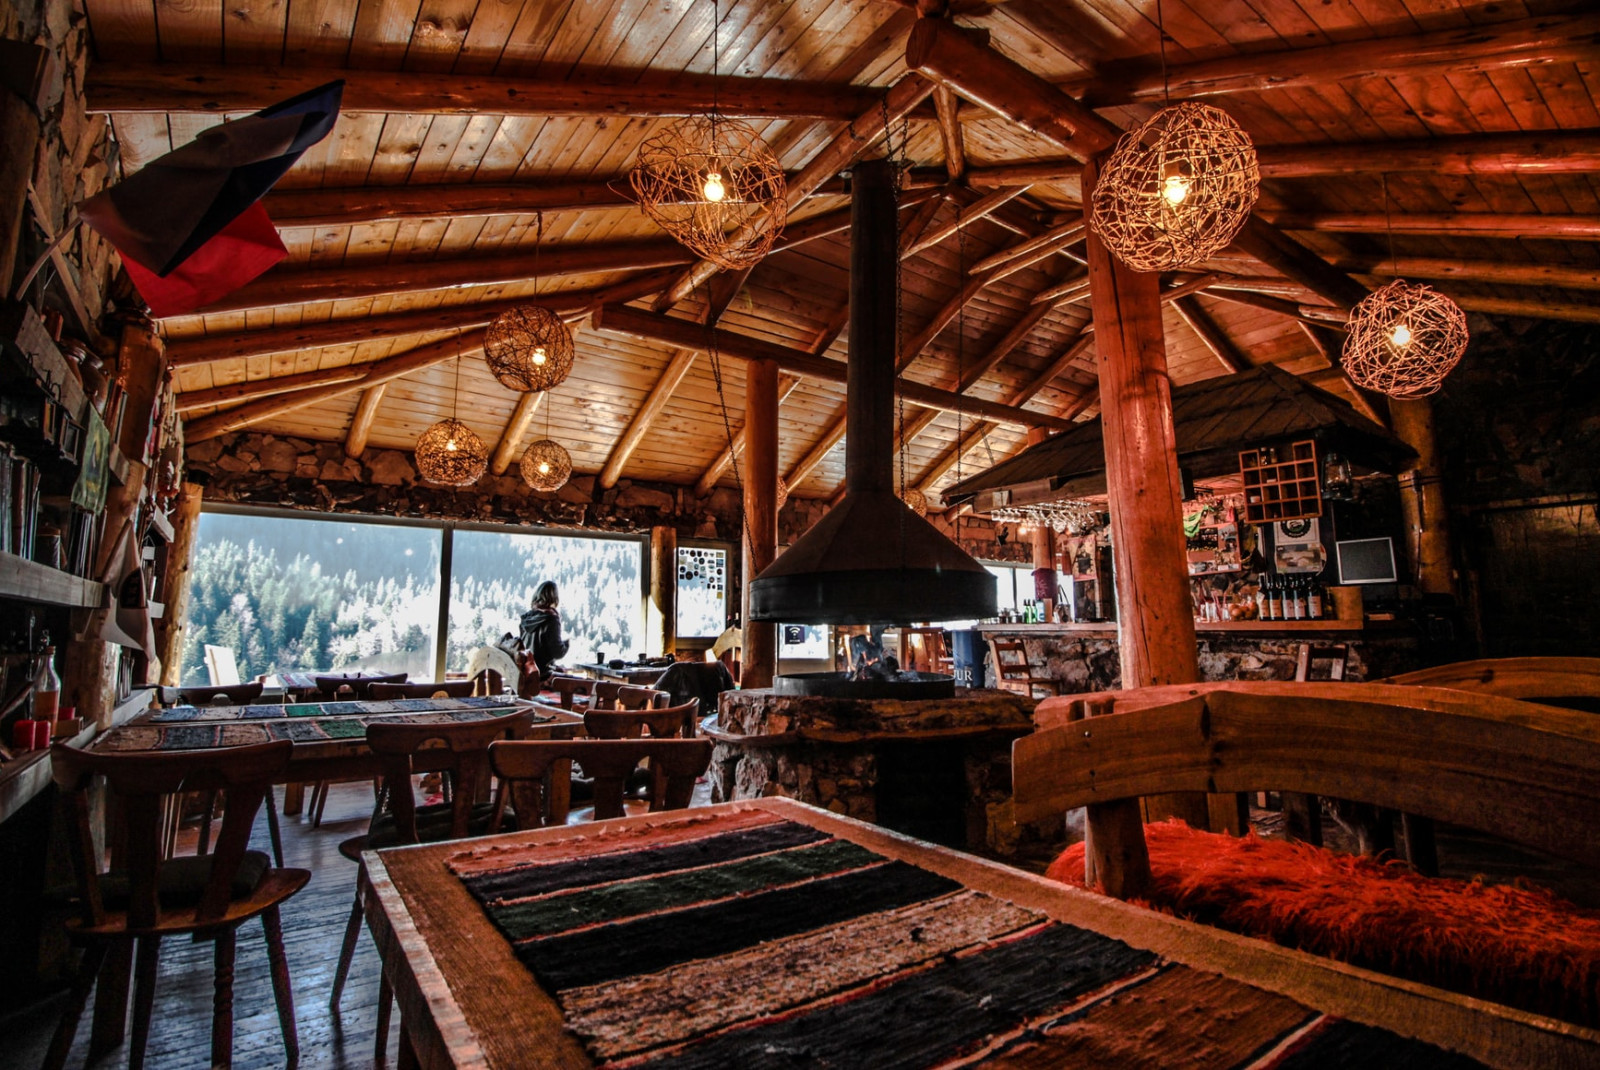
(1548, 152)
(862, 132)
(1211, 334)
(708, 479)
(1459, 224)
(1292, 309)
(639, 426)
(355, 439)
(172, 89)
(382, 371)
(1472, 48)
(1330, 344)
(965, 217)
(191, 400)
(1033, 250)
(1528, 273)
(516, 429)
(955, 154)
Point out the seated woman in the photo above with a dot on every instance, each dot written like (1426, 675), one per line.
(541, 638)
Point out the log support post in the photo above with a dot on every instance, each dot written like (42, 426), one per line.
(662, 627)
(1115, 855)
(760, 515)
(1044, 540)
(1155, 614)
(1422, 499)
(180, 561)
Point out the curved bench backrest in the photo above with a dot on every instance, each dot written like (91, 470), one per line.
(1526, 772)
(1529, 678)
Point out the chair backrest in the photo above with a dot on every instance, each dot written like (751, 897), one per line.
(613, 694)
(141, 782)
(232, 694)
(425, 689)
(222, 666)
(1525, 772)
(703, 681)
(1337, 655)
(663, 722)
(459, 748)
(674, 764)
(360, 686)
(1526, 678)
(1011, 659)
(568, 687)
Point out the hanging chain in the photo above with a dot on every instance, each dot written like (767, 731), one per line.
(1161, 40)
(897, 168)
(722, 406)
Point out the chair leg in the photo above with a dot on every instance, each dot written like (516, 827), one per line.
(282, 991)
(222, 1002)
(272, 826)
(1422, 851)
(319, 799)
(380, 1044)
(110, 1026)
(144, 998)
(1302, 817)
(82, 984)
(352, 933)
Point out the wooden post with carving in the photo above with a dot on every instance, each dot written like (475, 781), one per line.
(761, 515)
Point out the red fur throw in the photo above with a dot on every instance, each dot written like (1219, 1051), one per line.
(1523, 947)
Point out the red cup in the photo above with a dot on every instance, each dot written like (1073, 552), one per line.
(22, 735)
(41, 734)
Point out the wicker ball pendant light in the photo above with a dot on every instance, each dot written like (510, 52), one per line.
(546, 465)
(715, 186)
(1177, 189)
(450, 453)
(915, 500)
(1404, 339)
(529, 348)
(783, 492)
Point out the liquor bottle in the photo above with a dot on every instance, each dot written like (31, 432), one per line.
(1261, 599)
(1314, 601)
(1274, 600)
(47, 688)
(1292, 604)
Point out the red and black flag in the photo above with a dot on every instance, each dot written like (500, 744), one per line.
(190, 226)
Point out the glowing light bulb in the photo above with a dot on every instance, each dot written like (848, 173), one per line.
(1175, 188)
(450, 445)
(1401, 335)
(544, 468)
(538, 354)
(714, 189)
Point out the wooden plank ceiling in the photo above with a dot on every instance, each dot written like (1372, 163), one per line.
(473, 125)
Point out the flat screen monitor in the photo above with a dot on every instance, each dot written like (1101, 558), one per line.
(1366, 561)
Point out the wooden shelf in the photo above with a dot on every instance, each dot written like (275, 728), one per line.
(162, 526)
(1287, 489)
(33, 582)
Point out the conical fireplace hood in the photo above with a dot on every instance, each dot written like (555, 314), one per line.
(871, 560)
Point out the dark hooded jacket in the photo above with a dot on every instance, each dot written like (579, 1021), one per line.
(541, 637)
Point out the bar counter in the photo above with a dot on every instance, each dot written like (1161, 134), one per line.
(1084, 656)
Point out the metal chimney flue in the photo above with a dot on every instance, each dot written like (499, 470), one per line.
(871, 560)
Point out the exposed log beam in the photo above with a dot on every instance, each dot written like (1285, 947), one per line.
(1292, 309)
(919, 222)
(1288, 257)
(1460, 224)
(1331, 345)
(1547, 152)
(683, 333)
(1211, 335)
(946, 104)
(300, 285)
(639, 426)
(516, 429)
(863, 131)
(708, 478)
(964, 62)
(965, 217)
(382, 371)
(172, 88)
(1473, 48)
(1034, 249)
(831, 437)
(255, 388)
(1533, 308)
(355, 439)
(570, 305)
(1565, 276)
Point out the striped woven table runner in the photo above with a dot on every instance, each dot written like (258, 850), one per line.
(744, 940)
(354, 708)
(200, 736)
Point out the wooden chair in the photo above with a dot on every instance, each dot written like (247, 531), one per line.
(331, 687)
(148, 899)
(425, 689)
(1520, 771)
(611, 695)
(459, 750)
(569, 688)
(664, 722)
(1012, 670)
(230, 694)
(676, 763)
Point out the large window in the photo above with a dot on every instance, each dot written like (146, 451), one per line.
(286, 593)
(494, 574)
(289, 593)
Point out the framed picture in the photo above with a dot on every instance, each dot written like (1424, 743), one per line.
(89, 492)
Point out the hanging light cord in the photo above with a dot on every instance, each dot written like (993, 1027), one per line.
(1388, 223)
(1161, 44)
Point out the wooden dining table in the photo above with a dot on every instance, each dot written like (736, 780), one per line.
(769, 933)
(628, 673)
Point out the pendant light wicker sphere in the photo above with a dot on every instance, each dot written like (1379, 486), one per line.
(1177, 189)
(915, 500)
(783, 492)
(715, 186)
(546, 465)
(450, 453)
(529, 348)
(1404, 339)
